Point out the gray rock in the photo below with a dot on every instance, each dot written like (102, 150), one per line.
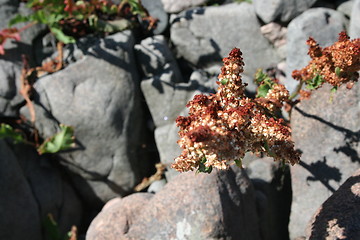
(52, 192)
(273, 197)
(156, 186)
(281, 10)
(156, 10)
(156, 60)
(117, 216)
(19, 210)
(219, 205)
(203, 36)
(346, 8)
(354, 28)
(322, 24)
(99, 96)
(174, 6)
(338, 217)
(327, 132)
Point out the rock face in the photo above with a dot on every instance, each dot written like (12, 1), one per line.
(280, 10)
(31, 188)
(327, 134)
(174, 6)
(338, 217)
(215, 206)
(99, 96)
(354, 28)
(272, 185)
(323, 24)
(203, 36)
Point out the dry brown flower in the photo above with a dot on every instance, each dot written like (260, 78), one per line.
(337, 64)
(222, 127)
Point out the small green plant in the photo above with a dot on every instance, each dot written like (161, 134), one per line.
(52, 230)
(63, 140)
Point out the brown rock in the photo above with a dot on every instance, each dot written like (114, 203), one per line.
(339, 215)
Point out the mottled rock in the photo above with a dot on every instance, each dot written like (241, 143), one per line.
(338, 217)
(99, 96)
(203, 36)
(354, 28)
(117, 216)
(219, 205)
(156, 10)
(322, 24)
(156, 186)
(174, 6)
(281, 10)
(272, 184)
(327, 133)
(346, 7)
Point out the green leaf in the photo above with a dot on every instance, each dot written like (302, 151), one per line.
(18, 19)
(338, 71)
(203, 168)
(238, 163)
(6, 131)
(315, 82)
(63, 140)
(334, 89)
(51, 228)
(263, 90)
(224, 81)
(61, 36)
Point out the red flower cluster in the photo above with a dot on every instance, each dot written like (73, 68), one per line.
(222, 127)
(337, 64)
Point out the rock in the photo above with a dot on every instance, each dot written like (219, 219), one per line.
(272, 184)
(203, 36)
(322, 24)
(346, 8)
(117, 216)
(156, 60)
(219, 205)
(20, 217)
(338, 217)
(99, 96)
(156, 10)
(281, 10)
(174, 6)
(354, 28)
(156, 186)
(52, 192)
(326, 132)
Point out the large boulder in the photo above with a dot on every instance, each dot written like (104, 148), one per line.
(326, 130)
(174, 6)
(281, 10)
(219, 205)
(203, 36)
(323, 24)
(338, 217)
(31, 188)
(99, 96)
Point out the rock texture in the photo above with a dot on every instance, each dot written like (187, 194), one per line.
(272, 185)
(99, 96)
(174, 6)
(280, 10)
(354, 28)
(203, 36)
(338, 217)
(322, 24)
(327, 132)
(219, 205)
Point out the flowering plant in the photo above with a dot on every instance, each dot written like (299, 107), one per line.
(222, 127)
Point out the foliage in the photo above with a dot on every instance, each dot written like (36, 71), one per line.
(265, 83)
(63, 140)
(6, 131)
(52, 230)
